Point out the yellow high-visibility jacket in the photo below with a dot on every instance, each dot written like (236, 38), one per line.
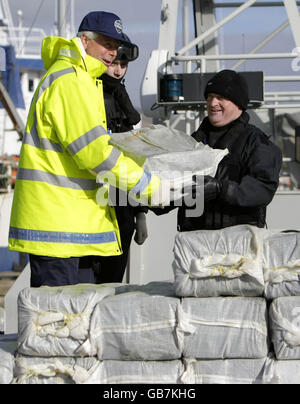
(54, 211)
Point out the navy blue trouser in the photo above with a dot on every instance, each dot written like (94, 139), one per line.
(52, 271)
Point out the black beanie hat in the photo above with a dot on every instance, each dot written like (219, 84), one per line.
(231, 85)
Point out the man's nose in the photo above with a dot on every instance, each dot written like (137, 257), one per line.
(118, 70)
(214, 100)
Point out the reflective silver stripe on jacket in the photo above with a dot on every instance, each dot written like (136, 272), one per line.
(48, 80)
(57, 180)
(32, 138)
(86, 139)
(142, 184)
(109, 163)
(61, 237)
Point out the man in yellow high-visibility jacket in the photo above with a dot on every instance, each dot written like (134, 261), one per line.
(55, 216)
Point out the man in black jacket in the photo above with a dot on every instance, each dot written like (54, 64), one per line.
(247, 178)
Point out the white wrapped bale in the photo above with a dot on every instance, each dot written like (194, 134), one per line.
(56, 370)
(225, 328)
(137, 372)
(55, 321)
(7, 361)
(284, 318)
(287, 372)
(161, 288)
(229, 371)
(170, 153)
(281, 265)
(226, 262)
(134, 326)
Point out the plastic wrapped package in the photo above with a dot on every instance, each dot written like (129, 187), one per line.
(7, 361)
(284, 319)
(281, 265)
(161, 288)
(169, 153)
(56, 370)
(229, 371)
(226, 262)
(135, 326)
(225, 328)
(55, 321)
(287, 372)
(137, 372)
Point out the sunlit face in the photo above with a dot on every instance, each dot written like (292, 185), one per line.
(103, 48)
(220, 110)
(117, 69)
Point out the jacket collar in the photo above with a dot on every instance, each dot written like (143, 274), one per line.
(92, 65)
(57, 48)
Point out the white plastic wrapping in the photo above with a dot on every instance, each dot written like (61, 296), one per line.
(281, 264)
(229, 371)
(134, 326)
(224, 262)
(137, 372)
(169, 153)
(161, 288)
(55, 321)
(56, 370)
(7, 361)
(284, 318)
(225, 328)
(287, 372)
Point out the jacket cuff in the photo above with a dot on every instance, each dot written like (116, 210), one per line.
(228, 192)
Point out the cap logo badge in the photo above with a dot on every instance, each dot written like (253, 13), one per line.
(119, 26)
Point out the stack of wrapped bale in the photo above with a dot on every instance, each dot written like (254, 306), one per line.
(135, 337)
(208, 326)
(219, 276)
(99, 334)
(53, 323)
(7, 361)
(281, 264)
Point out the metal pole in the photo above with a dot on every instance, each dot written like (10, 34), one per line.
(262, 44)
(294, 19)
(214, 28)
(61, 18)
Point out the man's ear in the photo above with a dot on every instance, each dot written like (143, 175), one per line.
(84, 40)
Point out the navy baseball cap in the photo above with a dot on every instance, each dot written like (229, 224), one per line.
(108, 24)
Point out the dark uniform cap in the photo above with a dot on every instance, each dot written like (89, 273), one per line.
(231, 85)
(108, 24)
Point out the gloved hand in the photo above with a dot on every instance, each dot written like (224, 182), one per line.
(166, 194)
(205, 187)
(141, 232)
(212, 188)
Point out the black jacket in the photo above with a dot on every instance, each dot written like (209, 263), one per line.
(120, 116)
(120, 113)
(249, 175)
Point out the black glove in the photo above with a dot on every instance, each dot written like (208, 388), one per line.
(212, 188)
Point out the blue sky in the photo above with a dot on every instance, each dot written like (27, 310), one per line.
(141, 19)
